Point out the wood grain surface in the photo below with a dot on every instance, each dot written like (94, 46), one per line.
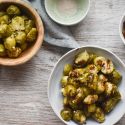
(23, 89)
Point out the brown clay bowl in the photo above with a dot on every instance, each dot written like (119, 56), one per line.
(30, 52)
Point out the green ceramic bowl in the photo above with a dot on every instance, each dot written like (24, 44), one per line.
(67, 12)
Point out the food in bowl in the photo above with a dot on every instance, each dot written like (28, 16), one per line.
(90, 88)
(17, 32)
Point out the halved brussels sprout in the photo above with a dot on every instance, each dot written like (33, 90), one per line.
(92, 108)
(66, 114)
(32, 35)
(100, 87)
(107, 67)
(20, 37)
(90, 99)
(3, 30)
(82, 58)
(115, 77)
(99, 61)
(67, 69)
(10, 43)
(92, 69)
(14, 53)
(64, 81)
(79, 117)
(13, 10)
(110, 88)
(4, 19)
(69, 90)
(18, 23)
(109, 104)
(99, 115)
(29, 24)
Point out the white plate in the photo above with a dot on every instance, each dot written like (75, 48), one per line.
(54, 88)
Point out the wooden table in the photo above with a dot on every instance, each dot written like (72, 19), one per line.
(23, 89)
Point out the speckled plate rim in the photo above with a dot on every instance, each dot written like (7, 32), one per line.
(71, 24)
(91, 46)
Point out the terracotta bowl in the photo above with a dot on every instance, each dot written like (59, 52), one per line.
(30, 52)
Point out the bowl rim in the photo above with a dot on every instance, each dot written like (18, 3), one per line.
(67, 24)
(120, 28)
(69, 52)
(38, 42)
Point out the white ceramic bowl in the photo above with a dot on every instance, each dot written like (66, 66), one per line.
(121, 28)
(54, 88)
(73, 14)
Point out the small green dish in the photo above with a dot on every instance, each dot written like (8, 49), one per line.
(67, 12)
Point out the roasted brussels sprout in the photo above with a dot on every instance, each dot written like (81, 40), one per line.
(99, 61)
(66, 114)
(18, 23)
(100, 87)
(10, 43)
(110, 88)
(32, 35)
(13, 10)
(115, 77)
(3, 30)
(109, 104)
(91, 108)
(90, 99)
(4, 19)
(89, 87)
(69, 90)
(82, 58)
(107, 67)
(29, 24)
(79, 117)
(67, 69)
(99, 115)
(91, 58)
(92, 69)
(20, 37)
(64, 81)
(2, 50)
(14, 53)
(65, 101)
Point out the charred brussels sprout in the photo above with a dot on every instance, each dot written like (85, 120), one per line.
(91, 108)
(99, 115)
(67, 69)
(79, 117)
(82, 58)
(13, 10)
(107, 67)
(69, 90)
(90, 99)
(109, 104)
(115, 77)
(66, 114)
